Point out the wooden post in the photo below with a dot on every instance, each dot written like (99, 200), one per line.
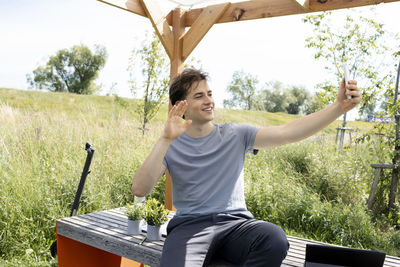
(396, 160)
(373, 188)
(342, 130)
(178, 29)
(378, 168)
(183, 45)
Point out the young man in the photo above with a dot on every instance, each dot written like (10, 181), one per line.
(205, 161)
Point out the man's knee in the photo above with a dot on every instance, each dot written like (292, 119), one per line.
(274, 241)
(279, 242)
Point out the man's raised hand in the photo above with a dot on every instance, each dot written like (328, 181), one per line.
(174, 126)
(353, 91)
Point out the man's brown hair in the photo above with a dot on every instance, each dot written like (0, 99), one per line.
(180, 86)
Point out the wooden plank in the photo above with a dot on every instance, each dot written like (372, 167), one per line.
(109, 220)
(108, 230)
(392, 261)
(113, 245)
(134, 239)
(395, 181)
(382, 165)
(160, 24)
(107, 226)
(100, 222)
(373, 188)
(133, 6)
(316, 5)
(207, 18)
(288, 262)
(249, 10)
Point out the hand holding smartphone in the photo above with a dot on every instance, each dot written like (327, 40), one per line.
(346, 77)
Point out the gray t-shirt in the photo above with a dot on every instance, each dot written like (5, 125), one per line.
(207, 172)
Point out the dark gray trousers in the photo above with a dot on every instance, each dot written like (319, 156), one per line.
(236, 238)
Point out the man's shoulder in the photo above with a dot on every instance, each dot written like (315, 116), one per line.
(225, 127)
(231, 125)
(235, 129)
(234, 126)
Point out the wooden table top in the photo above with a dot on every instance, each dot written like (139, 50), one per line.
(106, 230)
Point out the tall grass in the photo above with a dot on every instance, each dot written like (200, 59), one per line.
(41, 159)
(311, 190)
(307, 188)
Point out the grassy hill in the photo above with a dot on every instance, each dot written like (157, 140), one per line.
(106, 106)
(307, 188)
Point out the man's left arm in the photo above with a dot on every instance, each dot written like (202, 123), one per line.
(306, 126)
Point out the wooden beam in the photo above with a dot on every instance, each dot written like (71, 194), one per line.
(177, 64)
(323, 5)
(133, 6)
(178, 29)
(160, 24)
(304, 4)
(249, 10)
(208, 17)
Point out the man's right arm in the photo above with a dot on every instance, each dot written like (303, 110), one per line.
(153, 168)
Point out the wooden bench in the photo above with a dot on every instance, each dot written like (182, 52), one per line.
(100, 239)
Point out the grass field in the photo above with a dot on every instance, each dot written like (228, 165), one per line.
(308, 188)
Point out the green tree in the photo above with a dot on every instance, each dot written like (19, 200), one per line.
(151, 60)
(314, 104)
(276, 97)
(242, 88)
(70, 70)
(301, 95)
(360, 42)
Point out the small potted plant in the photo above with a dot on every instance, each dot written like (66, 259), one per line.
(135, 215)
(155, 215)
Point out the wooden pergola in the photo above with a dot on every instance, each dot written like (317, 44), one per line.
(179, 42)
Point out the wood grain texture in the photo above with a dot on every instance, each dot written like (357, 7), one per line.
(207, 18)
(249, 10)
(160, 24)
(382, 165)
(133, 6)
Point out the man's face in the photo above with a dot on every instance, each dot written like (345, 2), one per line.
(200, 103)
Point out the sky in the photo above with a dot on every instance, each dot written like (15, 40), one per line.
(271, 48)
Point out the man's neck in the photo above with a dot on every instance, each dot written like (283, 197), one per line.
(199, 130)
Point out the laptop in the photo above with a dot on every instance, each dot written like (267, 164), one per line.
(333, 256)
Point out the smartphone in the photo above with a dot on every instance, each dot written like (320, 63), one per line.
(346, 77)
